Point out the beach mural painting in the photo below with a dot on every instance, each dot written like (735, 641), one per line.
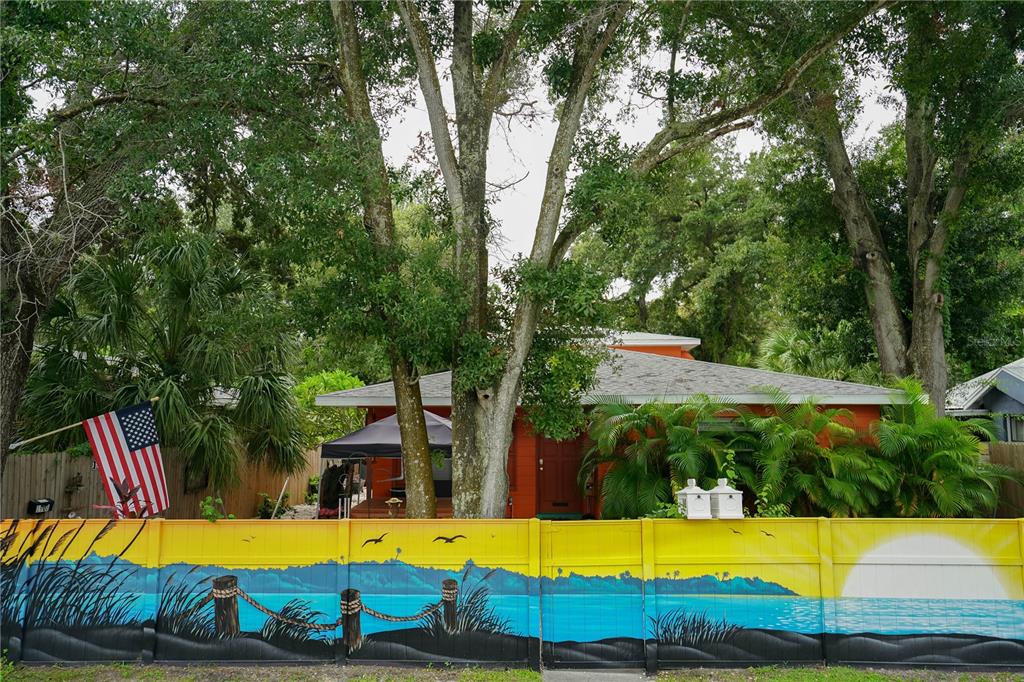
(654, 593)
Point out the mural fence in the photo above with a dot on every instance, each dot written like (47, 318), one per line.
(648, 593)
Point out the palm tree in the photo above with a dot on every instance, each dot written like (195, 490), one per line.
(817, 354)
(937, 460)
(179, 318)
(649, 447)
(811, 461)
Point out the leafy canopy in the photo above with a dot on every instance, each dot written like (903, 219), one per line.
(174, 317)
(320, 424)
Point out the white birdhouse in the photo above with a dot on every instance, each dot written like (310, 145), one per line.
(726, 501)
(694, 502)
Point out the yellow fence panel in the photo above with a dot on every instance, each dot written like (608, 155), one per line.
(647, 592)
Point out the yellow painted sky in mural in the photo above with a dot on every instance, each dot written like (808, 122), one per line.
(967, 559)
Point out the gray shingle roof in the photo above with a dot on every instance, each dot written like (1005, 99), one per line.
(642, 377)
(965, 396)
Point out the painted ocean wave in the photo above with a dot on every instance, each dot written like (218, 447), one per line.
(990, 617)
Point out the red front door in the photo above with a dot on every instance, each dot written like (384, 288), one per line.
(558, 462)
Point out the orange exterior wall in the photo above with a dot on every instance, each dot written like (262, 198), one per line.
(522, 469)
(671, 351)
(522, 459)
(864, 416)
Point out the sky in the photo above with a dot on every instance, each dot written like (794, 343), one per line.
(520, 150)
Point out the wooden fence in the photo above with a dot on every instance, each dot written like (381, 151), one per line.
(73, 483)
(1011, 499)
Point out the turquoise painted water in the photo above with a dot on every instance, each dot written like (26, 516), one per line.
(583, 608)
(591, 617)
(993, 618)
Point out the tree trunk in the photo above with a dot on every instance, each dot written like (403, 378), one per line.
(483, 419)
(481, 488)
(862, 233)
(467, 460)
(15, 359)
(480, 473)
(35, 263)
(927, 355)
(642, 311)
(494, 438)
(905, 347)
(420, 500)
(479, 460)
(379, 219)
(927, 233)
(928, 341)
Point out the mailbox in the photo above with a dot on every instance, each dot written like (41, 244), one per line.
(694, 502)
(726, 501)
(40, 506)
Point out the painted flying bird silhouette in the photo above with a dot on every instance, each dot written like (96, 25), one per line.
(450, 540)
(736, 531)
(767, 533)
(375, 541)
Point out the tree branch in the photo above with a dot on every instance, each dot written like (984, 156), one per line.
(68, 113)
(695, 142)
(377, 204)
(590, 47)
(496, 75)
(867, 246)
(464, 84)
(591, 44)
(650, 155)
(430, 86)
(670, 108)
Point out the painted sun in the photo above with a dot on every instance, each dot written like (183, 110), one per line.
(890, 570)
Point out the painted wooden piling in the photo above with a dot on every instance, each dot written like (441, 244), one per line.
(350, 608)
(225, 605)
(449, 595)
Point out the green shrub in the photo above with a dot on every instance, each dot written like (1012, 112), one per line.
(212, 508)
(319, 424)
(266, 508)
(313, 489)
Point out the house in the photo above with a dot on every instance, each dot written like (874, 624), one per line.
(641, 368)
(999, 394)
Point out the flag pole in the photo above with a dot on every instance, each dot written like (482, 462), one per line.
(280, 497)
(63, 428)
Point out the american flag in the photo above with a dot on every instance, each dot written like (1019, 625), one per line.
(127, 452)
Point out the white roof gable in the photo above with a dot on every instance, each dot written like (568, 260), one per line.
(965, 396)
(651, 339)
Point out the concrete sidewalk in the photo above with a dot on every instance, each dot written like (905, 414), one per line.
(593, 675)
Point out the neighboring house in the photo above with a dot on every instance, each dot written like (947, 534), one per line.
(999, 394)
(641, 368)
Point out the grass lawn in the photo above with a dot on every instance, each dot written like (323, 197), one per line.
(816, 674)
(157, 673)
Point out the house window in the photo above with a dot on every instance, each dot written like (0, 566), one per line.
(1015, 428)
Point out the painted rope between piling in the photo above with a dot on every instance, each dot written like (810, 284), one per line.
(347, 608)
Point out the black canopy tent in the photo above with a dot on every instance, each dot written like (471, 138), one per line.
(383, 439)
